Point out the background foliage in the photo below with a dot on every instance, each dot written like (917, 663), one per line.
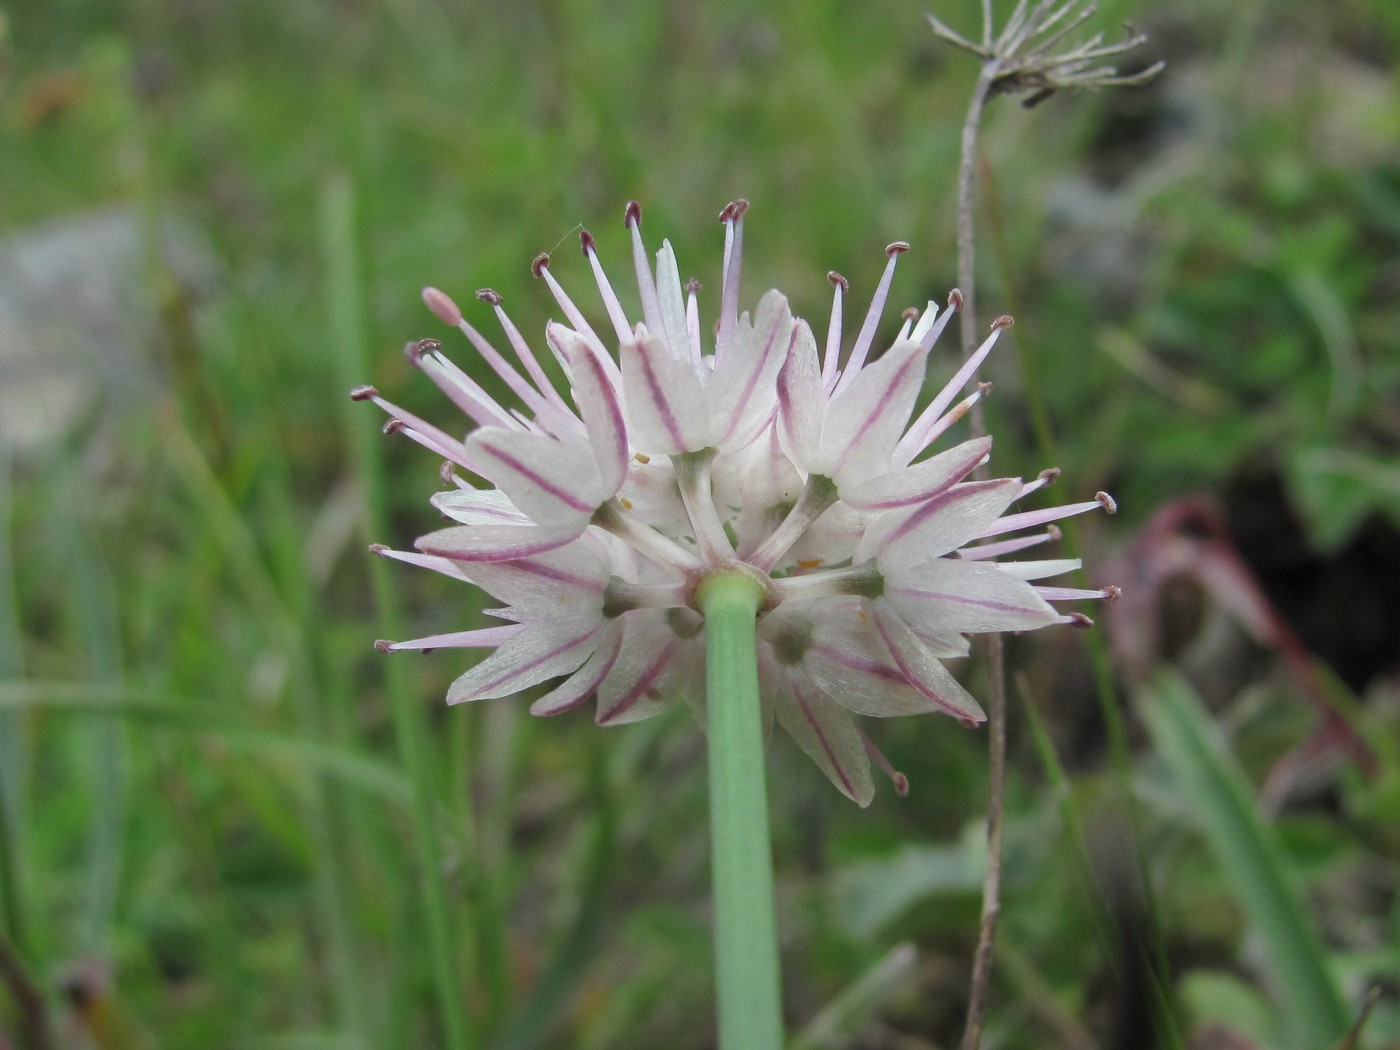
(215, 219)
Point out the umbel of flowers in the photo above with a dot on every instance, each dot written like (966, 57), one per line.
(677, 450)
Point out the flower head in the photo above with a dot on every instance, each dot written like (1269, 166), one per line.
(593, 518)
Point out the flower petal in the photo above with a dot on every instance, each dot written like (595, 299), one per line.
(826, 733)
(920, 668)
(573, 576)
(909, 485)
(671, 300)
(540, 651)
(598, 404)
(932, 529)
(665, 399)
(801, 402)
(848, 661)
(948, 594)
(553, 483)
(478, 507)
(632, 692)
(864, 421)
(580, 685)
(477, 543)
(742, 393)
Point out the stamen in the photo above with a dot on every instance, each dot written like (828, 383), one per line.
(986, 551)
(908, 447)
(540, 268)
(863, 580)
(917, 437)
(646, 282)
(560, 416)
(464, 391)
(1047, 477)
(832, 353)
(498, 364)
(1031, 518)
(1078, 594)
(657, 548)
(939, 321)
(420, 430)
(819, 494)
(441, 304)
(733, 218)
(861, 350)
(616, 314)
(900, 781)
(693, 478)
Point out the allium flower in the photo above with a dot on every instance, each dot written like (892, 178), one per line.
(593, 519)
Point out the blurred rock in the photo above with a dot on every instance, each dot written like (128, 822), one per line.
(78, 316)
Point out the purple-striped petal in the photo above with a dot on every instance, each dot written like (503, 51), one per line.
(801, 402)
(849, 662)
(478, 507)
(910, 485)
(826, 733)
(664, 397)
(948, 594)
(540, 651)
(742, 391)
(580, 685)
(920, 668)
(932, 529)
(553, 483)
(598, 403)
(635, 688)
(865, 420)
(489, 543)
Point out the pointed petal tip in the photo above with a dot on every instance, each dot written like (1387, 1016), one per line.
(441, 304)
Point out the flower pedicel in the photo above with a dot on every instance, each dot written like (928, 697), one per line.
(593, 519)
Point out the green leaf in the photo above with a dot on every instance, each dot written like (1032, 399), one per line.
(1251, 860)
(1336, 489)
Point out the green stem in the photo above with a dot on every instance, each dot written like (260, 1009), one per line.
(746, 940)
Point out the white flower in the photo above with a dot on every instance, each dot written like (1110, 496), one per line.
(602, 512)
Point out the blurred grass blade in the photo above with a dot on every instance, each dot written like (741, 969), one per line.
(310, 756)
(345, 317)
(1251, 859)
(14, 754)
(537, 1018)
